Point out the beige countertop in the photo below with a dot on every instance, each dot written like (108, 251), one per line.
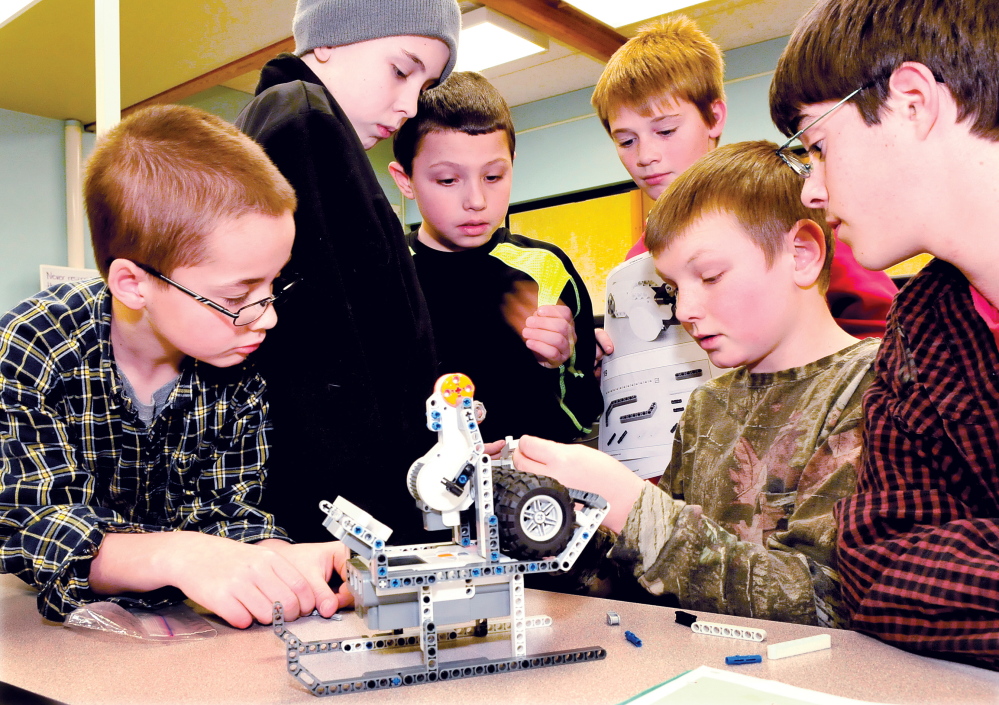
(248, 666)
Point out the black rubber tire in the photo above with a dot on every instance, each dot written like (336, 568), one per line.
(514, 491)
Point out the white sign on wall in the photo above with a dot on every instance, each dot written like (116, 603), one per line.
(51, 274)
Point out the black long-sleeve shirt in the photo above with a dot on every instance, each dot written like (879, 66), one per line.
(467, 292)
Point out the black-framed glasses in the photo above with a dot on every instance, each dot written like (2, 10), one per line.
(246, 314)
(797, 164)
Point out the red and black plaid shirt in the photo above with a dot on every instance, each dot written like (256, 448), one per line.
(919, 542)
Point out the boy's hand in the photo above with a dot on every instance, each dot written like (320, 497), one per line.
(237, 581)
(550, 334)
(241, 582)
(582, 468)
(317, 562)
(548, 331)
(494, 448)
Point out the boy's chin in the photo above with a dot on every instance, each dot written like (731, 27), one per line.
(225, 360)
(725, 362)
(460, 243)
(654, 192)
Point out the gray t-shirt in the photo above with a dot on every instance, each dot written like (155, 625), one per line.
(148, 412)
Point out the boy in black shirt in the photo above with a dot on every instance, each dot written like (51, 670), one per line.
(509, 311)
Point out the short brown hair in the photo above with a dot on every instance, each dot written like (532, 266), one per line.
(841, 45)
(747, 180)
(465, 102)
(168, 175)
(670, 58)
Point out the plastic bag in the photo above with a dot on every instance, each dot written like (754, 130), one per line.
(175, 623)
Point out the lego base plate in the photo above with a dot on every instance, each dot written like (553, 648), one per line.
(326, 671)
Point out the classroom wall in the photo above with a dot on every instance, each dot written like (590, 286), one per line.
(595, 233)
(561, 148)
(32, 202)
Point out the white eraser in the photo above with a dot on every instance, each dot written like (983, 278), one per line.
(799, 646)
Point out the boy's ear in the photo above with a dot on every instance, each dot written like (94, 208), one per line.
(808, 244)
(915, 95)
(125, 280)
(322, 54)
(720, 111)
(402, 180)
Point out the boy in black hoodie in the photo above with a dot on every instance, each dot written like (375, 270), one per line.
(349, 374)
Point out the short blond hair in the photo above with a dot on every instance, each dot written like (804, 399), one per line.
(668, 59)
(167, 176)
(749, 181)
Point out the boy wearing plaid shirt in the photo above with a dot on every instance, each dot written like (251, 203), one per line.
(133, 433)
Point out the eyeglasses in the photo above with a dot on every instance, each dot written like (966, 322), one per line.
(245, 315)
(799, 166)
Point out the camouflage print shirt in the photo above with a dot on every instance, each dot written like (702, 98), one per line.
(742, 521)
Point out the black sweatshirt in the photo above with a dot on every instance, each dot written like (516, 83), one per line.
(350, 363)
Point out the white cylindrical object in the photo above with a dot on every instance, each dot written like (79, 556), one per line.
(107, 55)
(74, 193)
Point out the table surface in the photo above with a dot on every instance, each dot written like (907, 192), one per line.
(248, 666)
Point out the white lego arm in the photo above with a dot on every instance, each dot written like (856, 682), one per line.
(441, 478)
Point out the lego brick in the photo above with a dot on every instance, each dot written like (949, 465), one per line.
(432, 521)
(740, 660)
(799, 646)
(417, 675)
(728, 630)
(685, 618)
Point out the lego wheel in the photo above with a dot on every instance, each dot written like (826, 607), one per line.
(535, 514)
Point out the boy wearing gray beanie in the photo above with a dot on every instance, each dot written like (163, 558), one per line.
(348, 376)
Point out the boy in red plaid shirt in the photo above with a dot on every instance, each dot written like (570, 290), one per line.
(897, 103)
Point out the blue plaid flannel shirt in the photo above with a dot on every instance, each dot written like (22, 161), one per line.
(76, 463)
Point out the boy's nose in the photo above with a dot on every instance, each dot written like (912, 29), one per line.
(475, 199)
(813, 189)
(407, 102)
(648, 153)
(266, 321)
(686, 309)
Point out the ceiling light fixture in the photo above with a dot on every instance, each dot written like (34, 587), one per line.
(9, 9)
(618, 14)
(489, 38)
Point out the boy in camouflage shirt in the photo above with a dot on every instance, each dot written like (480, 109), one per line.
(742, 520)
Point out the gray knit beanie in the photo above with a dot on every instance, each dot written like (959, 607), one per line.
(333, 23)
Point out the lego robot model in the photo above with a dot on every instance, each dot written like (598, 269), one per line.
(504, 524)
